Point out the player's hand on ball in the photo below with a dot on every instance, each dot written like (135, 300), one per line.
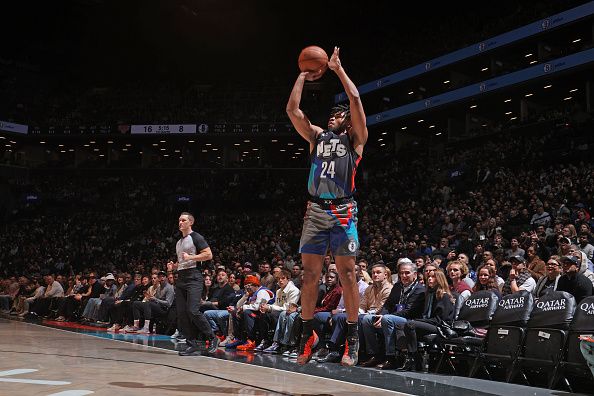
(334, 63)
(312, 76)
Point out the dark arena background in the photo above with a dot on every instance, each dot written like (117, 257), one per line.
(118, 115)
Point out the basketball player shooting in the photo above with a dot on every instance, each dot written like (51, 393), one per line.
(331, 216)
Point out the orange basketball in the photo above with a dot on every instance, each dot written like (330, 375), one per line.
(312, 59)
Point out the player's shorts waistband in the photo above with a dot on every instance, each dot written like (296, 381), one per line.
(334, 201)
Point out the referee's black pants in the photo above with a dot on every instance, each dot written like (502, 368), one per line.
(188, 294)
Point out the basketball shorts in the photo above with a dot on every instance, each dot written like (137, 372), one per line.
(330, 226)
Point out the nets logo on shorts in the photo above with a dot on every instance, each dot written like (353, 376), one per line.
(353, 246)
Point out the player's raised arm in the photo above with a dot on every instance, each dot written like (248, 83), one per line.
(358, 119)
(298, 118)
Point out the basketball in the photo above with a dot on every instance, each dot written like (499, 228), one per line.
(312, 59)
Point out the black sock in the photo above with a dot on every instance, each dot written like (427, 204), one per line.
(307, 328)
(352, 330)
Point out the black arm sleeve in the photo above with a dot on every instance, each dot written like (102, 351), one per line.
(199, 242)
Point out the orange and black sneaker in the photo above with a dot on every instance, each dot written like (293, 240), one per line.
(351, 352)
(248, 346)
(306, 347)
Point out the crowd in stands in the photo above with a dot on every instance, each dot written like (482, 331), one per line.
(519, 218)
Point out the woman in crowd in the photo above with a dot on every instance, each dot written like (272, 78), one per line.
(469, 275)
(486, 280)
(207, 289)
(439, 308)
(457, 270)
(548, 283)
(498, 280)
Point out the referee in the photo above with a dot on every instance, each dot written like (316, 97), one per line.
(192, 250)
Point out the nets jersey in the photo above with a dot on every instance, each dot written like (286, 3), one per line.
(333, 166)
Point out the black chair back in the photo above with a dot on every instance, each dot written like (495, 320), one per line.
(554, 310)
(514, 309)
(478, 309)
(582, 325)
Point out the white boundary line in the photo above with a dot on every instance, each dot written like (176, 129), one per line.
(229, 361)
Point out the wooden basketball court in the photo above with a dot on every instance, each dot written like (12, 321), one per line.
(39, 360)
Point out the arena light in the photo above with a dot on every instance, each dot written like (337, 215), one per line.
(528, 55)
(446, 82)
(411, 92)
(473, 106)
(484, 125)
(513, 118)
(438, 133)
(431, 126)
(42, 142)
(95, 149)
(300, 149)
(155, 144)
(92, 142)
(246, 141)
(70, 150)
(403, 128)
(384, 133)
(380, 139)
(568, 98)
(533, 62)
(101, 155)
(528, 95)
(290, 144)
(421, 120)
(13, 142)
(140, 152)
(161, 141)
(191, 141)
(2, 137)
(128, 145)
(283, 150)
(86, 145)
(59, 145)
(165, 155)
(162, 149)
(110, 142)
(124, 149)
(577, 40)
(237, 144)
(215, 149)
(254, 149)
(573, 90)
(208, 144)
(484, 69)
(508, 113)
(274, 140)
(507, 100)
(383, 144)
(547, 86)
(177, 151)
